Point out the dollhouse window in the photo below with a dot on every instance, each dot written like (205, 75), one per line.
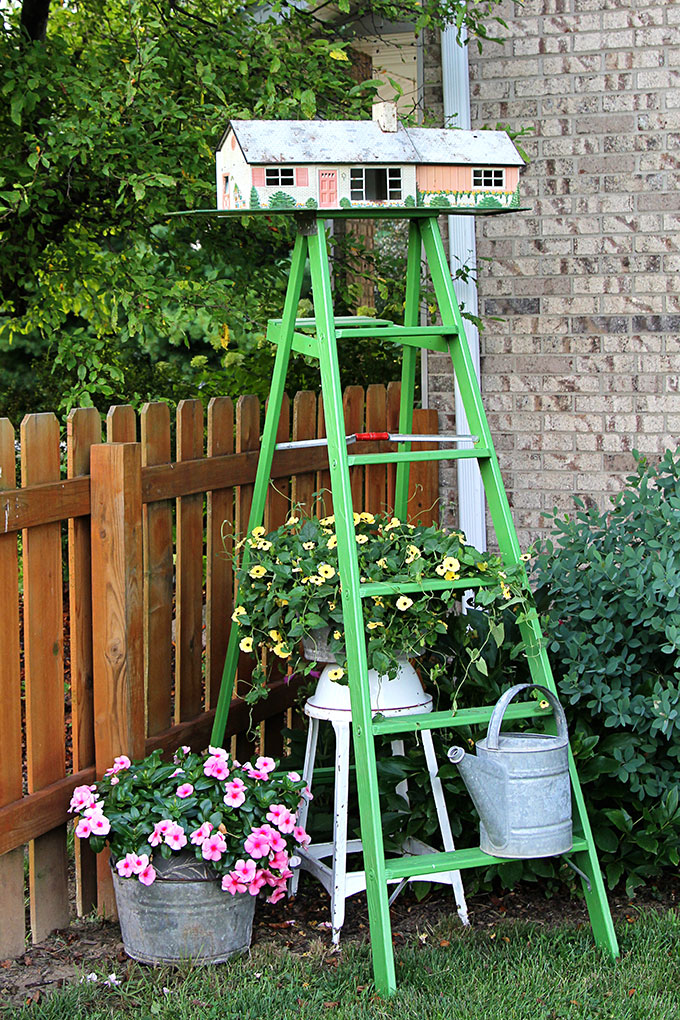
(375, 184)
(488, 177)
(279, 177)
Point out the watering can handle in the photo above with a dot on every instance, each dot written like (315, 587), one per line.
(496, 719)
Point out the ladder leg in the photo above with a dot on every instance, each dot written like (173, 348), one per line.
(340, 812)
(263, 469)
(537, 658)
(444, 823)
(408, 365)
(357, 667)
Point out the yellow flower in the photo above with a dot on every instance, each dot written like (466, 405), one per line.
(246, 644)
(451, 575)
(368, 518)
(332, 542)
(372, 624)
(262, 544)
(326, 522)
(292, 520)
(378, 600)
(315, 579)
(308, 545)
(331, 606)
(239, 611)
(257, 571)
(394, 523)
(482, 566)
(404, 603)
(382, 563)
(451, 563)
(326, 570)
(282, 602)
(412, 553)
(275, 636)
(282, 651)
(337, 635)
(357, 517)
(362, 539)
(257, 532)
(440, 569)
(336, 674)
(525, 557)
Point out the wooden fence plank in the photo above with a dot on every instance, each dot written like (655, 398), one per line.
(376, 474)
(423, 504)
(121, 424)
(117, 616)
(83, 430)
(247, 438)
(189, 584)
(44, 666)
(353, 405)
(158, 575)
(13, 927)
(304, 427)
(220, 550)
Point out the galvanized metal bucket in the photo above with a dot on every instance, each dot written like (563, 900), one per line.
(183, 916)
(519, 783)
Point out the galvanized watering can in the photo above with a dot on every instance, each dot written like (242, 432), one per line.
(519, 783)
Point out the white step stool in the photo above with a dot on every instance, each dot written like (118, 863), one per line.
(330, 703)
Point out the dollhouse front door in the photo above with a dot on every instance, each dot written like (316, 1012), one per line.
(328, 188)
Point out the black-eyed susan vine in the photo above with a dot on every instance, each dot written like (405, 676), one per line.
(292, 588)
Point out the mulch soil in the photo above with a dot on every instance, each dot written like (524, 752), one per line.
(302, 924)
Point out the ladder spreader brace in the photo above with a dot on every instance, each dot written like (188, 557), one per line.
(317, 337)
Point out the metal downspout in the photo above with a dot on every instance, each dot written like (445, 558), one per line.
(462, 251)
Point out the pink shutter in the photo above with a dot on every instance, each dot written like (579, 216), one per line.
(258, 176)
(302, 176)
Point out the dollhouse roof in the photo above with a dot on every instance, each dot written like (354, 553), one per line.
(363, 141)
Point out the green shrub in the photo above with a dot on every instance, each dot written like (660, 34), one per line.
(280, 200)
(409, 200)
(311, 203)
(345, 203)
(254, 199)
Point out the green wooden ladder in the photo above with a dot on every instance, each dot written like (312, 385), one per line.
(291, 334)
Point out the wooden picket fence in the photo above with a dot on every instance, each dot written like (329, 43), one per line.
(149, 581)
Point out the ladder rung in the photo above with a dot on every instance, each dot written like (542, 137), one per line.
(395, 332)
(479, 453)
(396, 587)
(453, 860)
(449, 720)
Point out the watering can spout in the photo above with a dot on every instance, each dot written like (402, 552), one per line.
(486, 782)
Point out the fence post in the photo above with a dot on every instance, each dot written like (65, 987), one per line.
(117, 616)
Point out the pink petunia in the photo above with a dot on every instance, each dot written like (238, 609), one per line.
(177, 772)
(234, 795)
(219, 752)
(213, 847)
(307, 793)
(231, 884)
(83, 797)
(257, 844)
(201, 833)
(301, 837)
(148, 876)
(286, 822)
(175, 836)
(185, 790)
(280, 861)
(254, 773)
(245, 870)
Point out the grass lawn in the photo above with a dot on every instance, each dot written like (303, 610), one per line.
(517, 972)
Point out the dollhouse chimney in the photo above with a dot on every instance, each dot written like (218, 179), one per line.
(385, 115)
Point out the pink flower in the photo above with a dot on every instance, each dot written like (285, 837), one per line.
(216, 767)
(114, 780)
(83, 797)
(177, 772)
(256, 844)
(234, 795)
(124, 867)
(219, 752)
(265, 764)
(120, 763)
(254, 773)
(83, 828)
(185, 790)
(231, 884)
(276, 895)
(301, 837)
(139, 864)
(201, 833)
(308, 793)
(279, 862)
(148, 876)
(294, 777)
(257, 883)
(99, 823)
(175, 837)
(276, 840)
(286, 822)
(159, 831)
(213, 847)
(245, 870)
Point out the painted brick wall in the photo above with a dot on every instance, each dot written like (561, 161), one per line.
(584, 364)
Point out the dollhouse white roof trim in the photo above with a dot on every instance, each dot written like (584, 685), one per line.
(338, 141)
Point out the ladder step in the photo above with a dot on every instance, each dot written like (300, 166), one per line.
(479, 453)
(454, 720)
(397, 587)
(452, 860)
(395, 332)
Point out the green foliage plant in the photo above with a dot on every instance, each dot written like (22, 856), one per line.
(240, 819)
(292, 588)
(281, 200)
(610, 584)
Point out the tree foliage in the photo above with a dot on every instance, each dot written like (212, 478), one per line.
(109, 125)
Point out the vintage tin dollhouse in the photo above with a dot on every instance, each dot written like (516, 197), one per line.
(282, 164)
